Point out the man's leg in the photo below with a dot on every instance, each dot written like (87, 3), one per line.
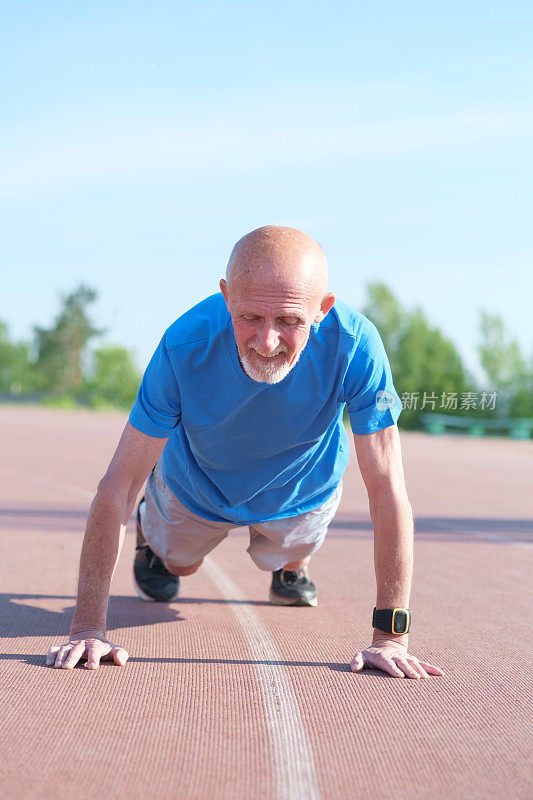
(171, 541)
(285, 546)
(182, 571)
(296, 565)
(151, 579)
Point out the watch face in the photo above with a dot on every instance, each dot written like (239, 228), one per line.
(401, 619)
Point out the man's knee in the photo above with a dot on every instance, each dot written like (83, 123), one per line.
(182, 571)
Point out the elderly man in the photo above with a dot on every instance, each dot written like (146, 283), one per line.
(239, 422)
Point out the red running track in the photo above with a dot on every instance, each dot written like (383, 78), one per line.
(227, 697)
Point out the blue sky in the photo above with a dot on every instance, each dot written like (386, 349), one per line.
(139, 141)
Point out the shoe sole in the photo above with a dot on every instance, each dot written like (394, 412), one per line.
(276, 600)
(147, 597)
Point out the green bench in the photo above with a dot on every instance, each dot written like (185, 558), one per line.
(519, 428)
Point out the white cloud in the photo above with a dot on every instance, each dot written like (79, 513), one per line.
(125, 149)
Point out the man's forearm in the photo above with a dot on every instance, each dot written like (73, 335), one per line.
(392, 518)
(102, 543)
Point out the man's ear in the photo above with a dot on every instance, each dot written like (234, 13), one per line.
(325, 306)
(224, 289)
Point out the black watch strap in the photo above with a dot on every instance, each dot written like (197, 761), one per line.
(392, 620)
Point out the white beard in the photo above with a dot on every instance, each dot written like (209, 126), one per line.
(267, 373)
(271, 370)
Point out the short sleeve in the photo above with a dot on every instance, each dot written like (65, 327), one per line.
(157, 409)
(372, 402)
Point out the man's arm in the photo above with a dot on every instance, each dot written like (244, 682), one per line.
(380, 461)
(134, 458)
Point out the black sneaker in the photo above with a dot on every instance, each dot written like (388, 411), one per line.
(290, 588)
(151, 578)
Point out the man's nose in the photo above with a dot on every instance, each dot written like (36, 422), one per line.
(268, 339)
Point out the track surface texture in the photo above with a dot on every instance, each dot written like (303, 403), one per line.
(225, 696)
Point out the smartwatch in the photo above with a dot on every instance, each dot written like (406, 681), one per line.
(392, 620)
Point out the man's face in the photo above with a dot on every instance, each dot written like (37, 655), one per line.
(271, 321)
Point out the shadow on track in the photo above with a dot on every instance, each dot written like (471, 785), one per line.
(39, 661)
(50, 615)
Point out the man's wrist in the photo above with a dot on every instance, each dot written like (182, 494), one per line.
(381, 637)
(76, 629)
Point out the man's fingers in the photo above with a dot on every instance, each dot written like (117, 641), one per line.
(96, 651)
(432, 669)
(388, 665)
(120, 656)
(385, 662)
(76, 652)
(51, 656)
(358, 663)
(106, 652)
(62, 654)
(406, 667)
(116, 654)
(376, 661)
(399, 665)
(415, 663)
(67, 655)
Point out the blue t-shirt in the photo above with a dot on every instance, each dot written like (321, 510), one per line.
(243, 451)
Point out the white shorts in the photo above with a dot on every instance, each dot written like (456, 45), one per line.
(181, 538)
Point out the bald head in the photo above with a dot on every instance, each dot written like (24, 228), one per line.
(285, 256)
(275, 288)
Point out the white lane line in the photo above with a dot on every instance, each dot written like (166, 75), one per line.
(64, 487)
(294, 762)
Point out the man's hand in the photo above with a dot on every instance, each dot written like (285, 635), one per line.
(90, 644)
(392, 657)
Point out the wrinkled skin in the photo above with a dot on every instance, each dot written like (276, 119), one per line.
(90, 644)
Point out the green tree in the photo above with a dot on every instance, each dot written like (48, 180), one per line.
(16, 375)
(385, 311)
(506, 368)
(115, 379)
(60, 349)
(423, 360)
(427, 363)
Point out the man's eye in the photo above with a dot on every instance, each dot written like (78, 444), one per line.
(290, 320)
(249, 317)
